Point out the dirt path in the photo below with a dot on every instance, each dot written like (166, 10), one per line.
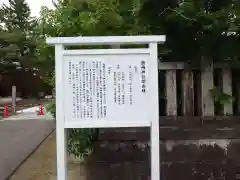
(42, 164)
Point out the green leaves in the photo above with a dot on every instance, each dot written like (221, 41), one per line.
(17, 43)
(16, 15)
(195, 28)
(220, 97)
(80, 141)
(86, 18)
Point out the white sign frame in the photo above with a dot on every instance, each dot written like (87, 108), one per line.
(62, 126)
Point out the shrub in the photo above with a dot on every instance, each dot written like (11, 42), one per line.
(80, 141)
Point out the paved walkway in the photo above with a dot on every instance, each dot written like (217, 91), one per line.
(41, 165)
(20, 135)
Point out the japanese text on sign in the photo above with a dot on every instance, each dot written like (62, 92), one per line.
(99, 87)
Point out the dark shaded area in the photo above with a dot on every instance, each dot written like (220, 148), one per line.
(28, 84)
(191, 149)
(182, 162)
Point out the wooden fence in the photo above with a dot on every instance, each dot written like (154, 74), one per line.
(186, 91)
(190, 149)
(196, 141)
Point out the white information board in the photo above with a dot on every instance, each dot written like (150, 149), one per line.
(106, 88)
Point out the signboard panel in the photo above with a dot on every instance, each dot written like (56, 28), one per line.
(106, 88)
(110, 87)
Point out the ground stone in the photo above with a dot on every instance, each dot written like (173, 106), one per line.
(41, 165)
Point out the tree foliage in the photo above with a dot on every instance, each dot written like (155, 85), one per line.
(86, 18)
(89, 18)
(16, 36)
(195, 30)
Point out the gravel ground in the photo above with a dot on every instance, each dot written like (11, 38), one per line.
(41, 165)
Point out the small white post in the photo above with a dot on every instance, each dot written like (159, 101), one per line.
(60, 130)
(14, 92)
(155, 140)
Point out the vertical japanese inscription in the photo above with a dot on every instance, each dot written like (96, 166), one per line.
(143, 76)
(89, 80)
(77, 85)
(119, 85)
(74, 89)
(130, 79)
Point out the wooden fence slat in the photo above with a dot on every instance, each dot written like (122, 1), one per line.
(207, 84)
(170, 65)
(198, 93)
(171, 93)
(227, 88)
(187, 93)
(238, 97)
(180, 65)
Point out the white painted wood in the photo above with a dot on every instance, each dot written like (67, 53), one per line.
(60, 130)
(155, 149)
(188, 93)
(14, 98)
(105, 124)
(106, 40)
(151, 87)
(227, 88)
(106, 51)
(171, 93)
(207, 84)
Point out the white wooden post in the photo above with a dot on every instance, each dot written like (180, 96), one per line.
(171, 92)
(60, 130)
(155, 149)
(14, 94)
(207, 84)
(227, 88)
